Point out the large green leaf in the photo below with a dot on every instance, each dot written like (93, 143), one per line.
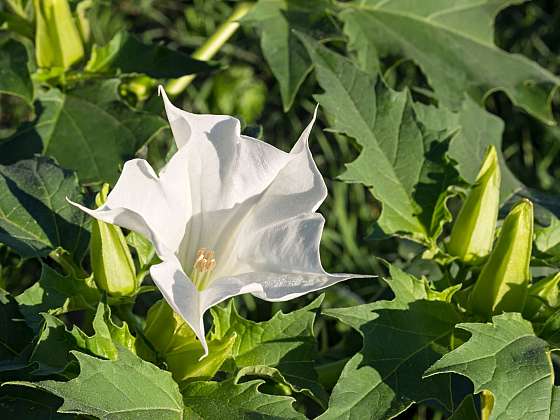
(403, 163)
(128, 54)
(507, 359)
(127, 388)
(402, 338)
(35, 217)
(285, 342)
(287, 58)
(452, 42)
(56, 294)
(14, 75)
(88, 129)
(229, 399)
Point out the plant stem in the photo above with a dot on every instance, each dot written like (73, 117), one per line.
(212, 45)
(64, 259)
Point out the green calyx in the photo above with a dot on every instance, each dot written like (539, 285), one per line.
(175, 342)
(57, 40)
(503, 282)
(473, 232)
(111, 261)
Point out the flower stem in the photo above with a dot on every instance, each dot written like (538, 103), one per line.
(211, 46)
(64, 259)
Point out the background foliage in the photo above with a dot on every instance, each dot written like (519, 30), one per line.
(410, 93)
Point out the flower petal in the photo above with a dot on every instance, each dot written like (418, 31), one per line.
(140, 198)
(181, 294)
(282, 262)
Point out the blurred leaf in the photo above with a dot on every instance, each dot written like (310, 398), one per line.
(128, 54)
(89, 130)
(14, 334)
(230, 399)
(14, 75)
(56, 294)
(127, 388)
(107, 337)
(402, 338)
(454, 47)
(284, 53)
(35, 217)
(30, 404)
(286, 342)
(507, 359)
(411, 175)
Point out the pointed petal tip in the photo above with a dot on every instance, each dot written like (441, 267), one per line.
(161, 91)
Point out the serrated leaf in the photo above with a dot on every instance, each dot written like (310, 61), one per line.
(14, 75)
(506, 358)
(107, 337)
(285, 342)
(402, 338)
(127, 388)
(88, 129)
(56, 294)
(127, 54)
(244, 400)
(452, 42)
(410, 173)
(35, 217)
(284, 53)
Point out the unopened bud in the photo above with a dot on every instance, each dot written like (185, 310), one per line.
(112, 264)
(543, 298)
(57, 40)
(503, 282)
(473, 232)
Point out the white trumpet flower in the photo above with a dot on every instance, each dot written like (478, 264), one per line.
(228, 215)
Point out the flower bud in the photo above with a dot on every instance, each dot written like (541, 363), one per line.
(503, 282)
(57, 40)
(473, 232)
(175, 342)
(111, 262)
(543, 298)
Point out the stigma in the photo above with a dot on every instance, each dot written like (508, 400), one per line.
(204, 264)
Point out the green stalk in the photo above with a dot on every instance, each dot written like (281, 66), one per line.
(211, 46)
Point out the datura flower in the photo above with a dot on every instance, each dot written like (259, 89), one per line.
(227, 215)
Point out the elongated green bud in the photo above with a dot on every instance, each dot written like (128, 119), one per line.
(177, 344)
(473, 232)
(543, 298)
(503, 282)
(112, 264)
(57, 40)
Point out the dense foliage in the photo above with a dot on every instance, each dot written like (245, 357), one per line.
(436, 136)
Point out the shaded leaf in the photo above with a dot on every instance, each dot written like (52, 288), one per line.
(14, 334)
(89, 130)
(14, 75)
(35, 217)
(453, 44)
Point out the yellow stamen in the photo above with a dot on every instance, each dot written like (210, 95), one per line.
(203, 265)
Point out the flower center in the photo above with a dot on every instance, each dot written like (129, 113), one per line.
(203, 265)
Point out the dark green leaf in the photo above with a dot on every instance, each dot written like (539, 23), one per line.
(128, 54)
(507, 359)
(89, 130)
(14, 334)
(14, 75)
(35, 217)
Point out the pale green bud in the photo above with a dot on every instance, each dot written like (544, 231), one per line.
(503, 282)
(111, 262)
(543, 298)
(57, 40)
(175, 342)
(473, 232)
